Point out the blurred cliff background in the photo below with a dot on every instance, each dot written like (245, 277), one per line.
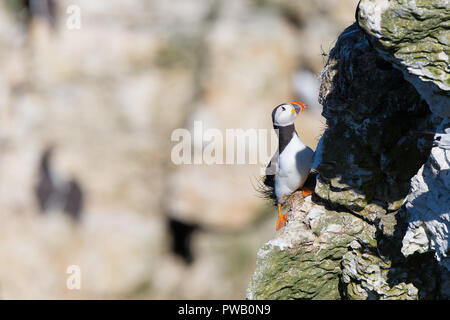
(86, 117)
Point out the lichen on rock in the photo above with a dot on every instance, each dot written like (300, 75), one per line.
(414, 36)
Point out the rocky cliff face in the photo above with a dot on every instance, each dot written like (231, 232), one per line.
(414, 36)
(386, 77)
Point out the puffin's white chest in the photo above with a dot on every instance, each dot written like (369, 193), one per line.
(294, 164)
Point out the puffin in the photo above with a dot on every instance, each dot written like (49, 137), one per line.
(289, 168)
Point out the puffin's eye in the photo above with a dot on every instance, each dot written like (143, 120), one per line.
(284, 109)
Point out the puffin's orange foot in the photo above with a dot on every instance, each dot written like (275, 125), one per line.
(306, 192)
(281, 222)
(282, 218)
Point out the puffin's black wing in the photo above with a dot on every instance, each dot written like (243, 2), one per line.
(266, 183)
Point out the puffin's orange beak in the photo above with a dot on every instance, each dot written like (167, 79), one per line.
(298, 106)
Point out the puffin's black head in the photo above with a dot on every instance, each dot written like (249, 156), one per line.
(285, 114)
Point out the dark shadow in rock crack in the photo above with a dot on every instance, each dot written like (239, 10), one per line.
(27, 10)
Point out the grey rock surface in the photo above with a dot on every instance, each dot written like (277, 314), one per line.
(414, 36)
(108, 97)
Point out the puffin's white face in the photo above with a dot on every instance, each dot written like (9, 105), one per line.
(285, 114)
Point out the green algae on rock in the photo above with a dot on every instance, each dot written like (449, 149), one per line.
(370, 110)
(303, 262)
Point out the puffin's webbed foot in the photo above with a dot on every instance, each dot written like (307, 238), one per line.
(307, 191)
(282, 218)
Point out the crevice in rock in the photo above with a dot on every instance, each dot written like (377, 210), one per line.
(54, 192)
(341, 287)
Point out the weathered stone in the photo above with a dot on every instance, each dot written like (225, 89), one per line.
(414, 36)
(369, 170)
(428, 205)
(368, 274)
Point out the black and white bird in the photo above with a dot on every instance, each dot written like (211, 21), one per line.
(289, 168)
(54, 192)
